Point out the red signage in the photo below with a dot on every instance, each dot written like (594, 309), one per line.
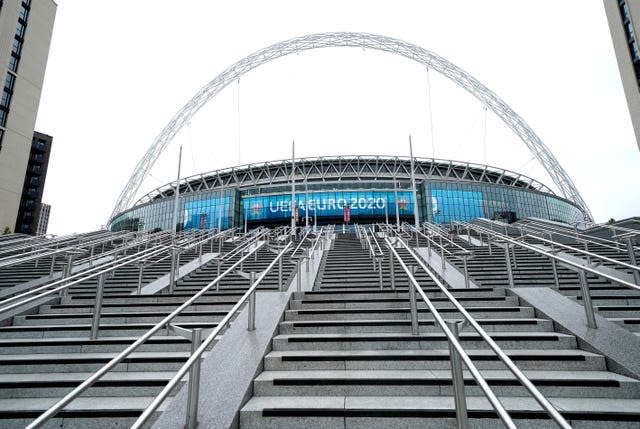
(346, 213)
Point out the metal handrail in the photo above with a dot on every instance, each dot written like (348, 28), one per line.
(584, 252)
(452, 340)
(582, 238)
(65, 283)
(58, 406)
(582, 270)
(197, 354)
(317, 239)
(293, 254)
(552, 256)
(46, 251)
(460, 250)
(376, 249)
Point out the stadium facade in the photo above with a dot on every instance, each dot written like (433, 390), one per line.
(352, 188)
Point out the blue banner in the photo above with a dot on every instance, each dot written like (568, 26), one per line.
(328, 204)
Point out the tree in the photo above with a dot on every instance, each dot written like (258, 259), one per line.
(611, 221)
(7, 230)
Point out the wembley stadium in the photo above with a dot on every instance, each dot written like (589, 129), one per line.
(340, 189)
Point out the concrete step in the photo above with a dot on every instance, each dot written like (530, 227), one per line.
(404, 326)
(119, 317)
(586, 384)
(404, 313)
(52, 385)
(84, 362)
(134, 307)
(106, 412)
(85, 345)
(338, 302)
(83, 329)
(376, 412)
(520, 340)
(553, 359)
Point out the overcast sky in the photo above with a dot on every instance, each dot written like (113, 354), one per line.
(119, 70)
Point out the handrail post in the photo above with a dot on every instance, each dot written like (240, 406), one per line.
(412, 303)
(219, 263)
(194, 382)
(380, 271)
(554, 267)
(252, 303)
(586, 249)
(632, 260)
(298, 276)
(586, 300)
(392, 271)
(307, 258)
(140, 273)
(513, 253)
(457, 379)
(280, 282)
(507, 258)
(466, 271)
(172, 273)
(97, 308)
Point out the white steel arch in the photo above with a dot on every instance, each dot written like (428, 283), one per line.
(360, 40)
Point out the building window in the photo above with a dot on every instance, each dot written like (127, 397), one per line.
(632, 41)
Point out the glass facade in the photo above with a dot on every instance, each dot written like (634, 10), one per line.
(448, 201)
(195, 211)
(439, 201)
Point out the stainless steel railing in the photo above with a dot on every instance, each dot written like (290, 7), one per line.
(440, 245)
(192, 365)
(450, 329)
(582, 270)
(164, 323)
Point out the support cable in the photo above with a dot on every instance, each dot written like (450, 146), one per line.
(239, 141)
(433, 145)
(484, 136)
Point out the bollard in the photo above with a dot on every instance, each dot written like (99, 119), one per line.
(508, 261)
(252, 303)
(392, 271)
(97, 308)
(457, 380)
(586, 300)
(194, 382)
(413, 304)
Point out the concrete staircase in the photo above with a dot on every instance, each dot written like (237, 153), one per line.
(46, 352)
(618, 304)
(344, 357)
